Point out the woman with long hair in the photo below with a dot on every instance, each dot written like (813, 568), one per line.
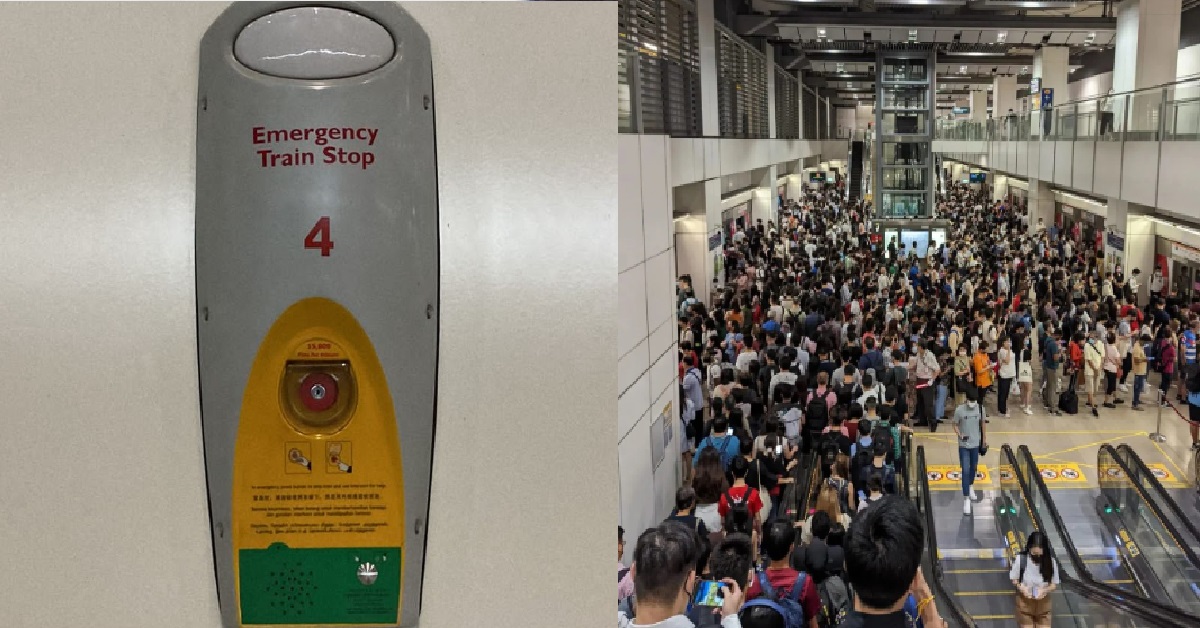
(827, 502)
(1035, 575)
(710, 483)
(1025, 379)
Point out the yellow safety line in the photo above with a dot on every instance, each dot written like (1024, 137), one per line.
(1182, 474)
(975, 571)
(1117, 581)
(974, 593)
(979, 617)
(1087, 445)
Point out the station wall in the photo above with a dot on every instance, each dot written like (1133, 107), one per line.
(104, 522)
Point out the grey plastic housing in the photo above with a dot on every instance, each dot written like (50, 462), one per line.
(251, 259)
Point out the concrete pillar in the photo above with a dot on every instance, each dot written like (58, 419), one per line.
(1140, 239)
(1049, 64)
(978, 102)
(1147, 46)
(765, 197)
(800, 102)
(769, 50)
(712, 212)
(710, 124)
(1041, 204)
(999, 185)
(1004, 95)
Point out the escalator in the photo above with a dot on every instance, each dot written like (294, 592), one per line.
(1085, 592)
(1178, 505)
(857, 158)
(974, 590)
(1153, 525)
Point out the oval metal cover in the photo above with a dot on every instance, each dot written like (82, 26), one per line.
(314, 43)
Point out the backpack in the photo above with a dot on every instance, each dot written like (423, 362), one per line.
(828, 449)
(724, 445)
(882, 433)
(816, 413)
(847, 393)
(835, 602)
(887, 473)
(738, 515)
(787, 606)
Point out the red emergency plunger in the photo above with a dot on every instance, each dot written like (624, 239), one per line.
(318, 391)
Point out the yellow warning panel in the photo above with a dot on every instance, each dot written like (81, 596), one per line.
(1163, 474)
(1062, 474)
(949, 476)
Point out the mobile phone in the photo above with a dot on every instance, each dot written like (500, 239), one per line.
(709, 593)
(778, 449)
(729, 432)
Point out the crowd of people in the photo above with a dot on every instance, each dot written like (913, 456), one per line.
(827, 339)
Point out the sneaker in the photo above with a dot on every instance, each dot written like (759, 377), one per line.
(974, 495)
(1059, 412)
(1107, 405)
(1196, 447)
(1095, 412)
(1028, 410)
(1118, 401)
(967, 506)
(1137, 408)
(1124, 388)
(1006, 415)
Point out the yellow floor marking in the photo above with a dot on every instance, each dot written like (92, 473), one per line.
(1117, 581)
(1096, 444)
(983, 617)
(1041, 458)
(976, 571)
(975, 593)
(1182, 473)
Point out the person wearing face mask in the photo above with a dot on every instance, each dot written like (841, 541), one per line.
(969, 427)
(1035, 575)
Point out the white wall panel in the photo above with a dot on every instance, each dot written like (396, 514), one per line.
(662, 338)
(630, 241)
(1024, 150)
(636, 473)
(1062, 162)
(1046, 160)
(1082, 164)
(1139, 172)
(632, 365)
(664, 372)
(687, 160)
(656, 194)
(1106, 175)
(1178, 182)
(631, 308)
(660, 289)
(633, 404)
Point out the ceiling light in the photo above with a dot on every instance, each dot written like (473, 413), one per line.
(1024, 69)
(820, 32)
(912, 36)
(1073, 70)
(962, 69)
(1001, 36)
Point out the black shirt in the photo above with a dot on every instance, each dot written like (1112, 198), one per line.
(692, 523)
(855, 619)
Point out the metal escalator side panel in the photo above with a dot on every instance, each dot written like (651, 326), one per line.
(1166, 506)
(954, 614)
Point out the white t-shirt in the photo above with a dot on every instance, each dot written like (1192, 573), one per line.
(1033, 572)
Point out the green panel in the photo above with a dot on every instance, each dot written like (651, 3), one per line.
(280, 585)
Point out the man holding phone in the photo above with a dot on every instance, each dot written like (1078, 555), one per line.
(664, 577)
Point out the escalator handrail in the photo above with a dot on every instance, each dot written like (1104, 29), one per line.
(1149, 611)
(935, 579)
(1164, 497)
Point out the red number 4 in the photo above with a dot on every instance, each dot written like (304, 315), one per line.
(319, 238)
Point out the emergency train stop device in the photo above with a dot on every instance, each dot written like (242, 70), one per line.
(317, 309)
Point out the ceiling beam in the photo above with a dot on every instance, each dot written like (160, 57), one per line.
(927, 20)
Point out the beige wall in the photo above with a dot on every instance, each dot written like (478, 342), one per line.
(104, 519)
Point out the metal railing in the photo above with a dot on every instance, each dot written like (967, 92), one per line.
(1168, 112)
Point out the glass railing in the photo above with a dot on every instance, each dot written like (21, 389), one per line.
(1163, 112)
(1167, 506)
(1160, 542)
(1101, 604)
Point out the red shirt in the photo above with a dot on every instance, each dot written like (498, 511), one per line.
(782, 580)
(754, 505)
